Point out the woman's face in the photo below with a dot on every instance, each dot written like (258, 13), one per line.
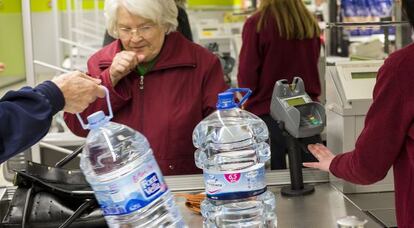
(140, 35)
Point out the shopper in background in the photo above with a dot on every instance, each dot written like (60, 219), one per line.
(388, 135)
(160, 83)
(26, 114)
(280, 41)
(183, 24)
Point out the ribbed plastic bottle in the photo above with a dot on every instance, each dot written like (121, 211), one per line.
(118, 163)
(232, 152)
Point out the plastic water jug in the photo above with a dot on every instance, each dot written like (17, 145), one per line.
(119, 164)
(232, 152)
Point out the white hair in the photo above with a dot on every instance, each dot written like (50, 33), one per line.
(162, 12)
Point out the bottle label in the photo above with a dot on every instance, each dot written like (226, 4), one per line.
(131, 192)
(235, 185)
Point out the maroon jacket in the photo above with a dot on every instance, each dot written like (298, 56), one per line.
(388, 136)
(265, 58)
(178, 93)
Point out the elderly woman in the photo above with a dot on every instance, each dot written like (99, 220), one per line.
(160, 83)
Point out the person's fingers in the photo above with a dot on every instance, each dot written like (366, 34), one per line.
(100, 91)
(129, 55)
(95, 80)
(128, 59)
(120, 69)
(75, 108)
(324, 156)
(132, 60)
(140, 58)
(125, 63)
(323, 150)
(315, 150)
(311, 164)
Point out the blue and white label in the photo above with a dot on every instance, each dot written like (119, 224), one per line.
(235, 185)
(131, 192)
(151, 184)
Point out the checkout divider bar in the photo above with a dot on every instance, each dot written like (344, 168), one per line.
(196, 181)
(273, 177)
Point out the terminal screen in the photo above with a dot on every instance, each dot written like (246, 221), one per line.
(363, 75)
(296, 101)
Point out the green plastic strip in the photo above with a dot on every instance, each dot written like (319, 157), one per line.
(14, 6)
(193, 3)
(11, 44)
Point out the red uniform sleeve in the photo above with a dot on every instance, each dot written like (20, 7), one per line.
(385, 131)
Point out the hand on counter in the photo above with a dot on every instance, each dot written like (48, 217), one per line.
(324, 156)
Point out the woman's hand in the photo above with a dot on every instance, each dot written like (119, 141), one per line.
(123, 63)
(324, 156)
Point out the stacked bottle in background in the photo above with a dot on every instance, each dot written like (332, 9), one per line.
(355, 11)
(232, 152)
(119, 165)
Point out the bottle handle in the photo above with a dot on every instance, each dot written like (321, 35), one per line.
(245, 97)
(86, 126)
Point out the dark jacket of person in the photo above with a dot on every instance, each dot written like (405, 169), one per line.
(265, 58)
(178, 93)
(183, 27)
(26, 116)
(388, 136)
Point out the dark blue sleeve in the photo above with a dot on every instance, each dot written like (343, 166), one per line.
(26, 116)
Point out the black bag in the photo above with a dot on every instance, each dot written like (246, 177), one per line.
(53, 197)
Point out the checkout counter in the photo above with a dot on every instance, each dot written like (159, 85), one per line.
(349, 89)
(321, 209)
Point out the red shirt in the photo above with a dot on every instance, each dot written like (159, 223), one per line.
(265, 58)
(178, 93)
(388, 136)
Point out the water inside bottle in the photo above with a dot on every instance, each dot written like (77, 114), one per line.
(120, 166)
(230, 143)
(232, 150)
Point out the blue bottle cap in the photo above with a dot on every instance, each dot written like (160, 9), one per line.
(226, 101)
(97, 119)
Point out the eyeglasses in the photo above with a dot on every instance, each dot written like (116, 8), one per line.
(144, 31)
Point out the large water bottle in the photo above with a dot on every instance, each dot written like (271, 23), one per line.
(119, 165)
(232, 152)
